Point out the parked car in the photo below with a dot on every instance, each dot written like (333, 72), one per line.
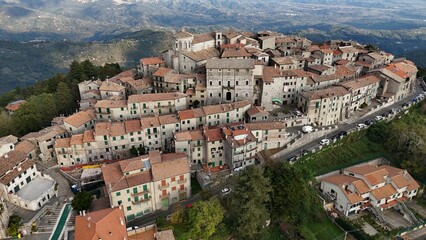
(325, 141)
(405, 105)
(287, 134)
(304, 152)
(370, 122)
(307, 129)
(132, 228)
(360, 126)
(292, 159)
(342, 133)
(297, 113)
(378, 118)
(225, 191)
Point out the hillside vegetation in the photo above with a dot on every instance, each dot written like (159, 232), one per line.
(24, 63)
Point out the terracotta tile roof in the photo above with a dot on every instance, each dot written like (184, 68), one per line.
(115, 180)
(80, 118)
(111, 104)
(171, 165)
(45, 134)
(230, 64)
(344, 71)
(202, 55)
(147, 235)
(384, 192)
(152, 97)
(265, 125)
(111, 86)
(213, 134)
(213, 109)
(13, 106)
(132, 125)
(192, 135)
(231, 34)
(348, 49)
(325, 51)
(361, 186)
(141, 83)
(190, 92)
(255, 110)
(288, 60)
(162, 72)
(76, 139)
(235, 52)
(360, 82)
(165, 235)
(25, 146)
(342, 181)
(8, 139)
(241, 104)
(150, 122)
(319, 68)
(88, 136)
(343, 62)
(132, 164)
(191, 113)
(204, 37)
(107, 223)
(407, 66)
(23, 166)
(63, 143)
(102, 128)
(168, 119)
(200, 87)
(117, 129)
(325, 93)
(182, 34)
(152, 61)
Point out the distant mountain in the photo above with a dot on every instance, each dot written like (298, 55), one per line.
(23, 63)
(40, 37)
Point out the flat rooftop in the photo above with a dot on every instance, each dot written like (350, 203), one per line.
(35, 189)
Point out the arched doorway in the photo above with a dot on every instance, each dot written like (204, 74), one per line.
(228, 96)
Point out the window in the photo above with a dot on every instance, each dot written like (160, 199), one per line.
(118, 194)
(145, 187)
(129, 208)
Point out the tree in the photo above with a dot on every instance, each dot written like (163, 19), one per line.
(290, 184)
(206, 194)
(379, 132)
(15, 222)
(64, 97)
(179, 215)
(204, 217)
(82, 201)
(196, 104)
(248, 203)
(75, 72)
(6, 126)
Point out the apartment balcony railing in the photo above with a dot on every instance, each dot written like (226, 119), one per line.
(163, 186)
(182, 190)
(139, 193)
(141, 200)
(180, 181)
(162, 196)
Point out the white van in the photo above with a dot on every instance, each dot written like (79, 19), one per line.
(307, 129)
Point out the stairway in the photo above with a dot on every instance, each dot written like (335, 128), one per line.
(378, 214)
(48, 221)
(406, 211)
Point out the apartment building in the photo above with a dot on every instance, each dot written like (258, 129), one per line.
(363, 90)
(326, 56)
(368, 186)
(256, 114)
(325, 106)
(89, 93)
(214, 148)
(240, 147)
(397, 80)
(80, 121)
(111, 110)
(229, 80)
(7, 144)
(112, 90)
(147, 183)
(268, 134)
(156, 104)
(192, 143)
(147, 66)
(23, 184)
(45, 139)
(281, 87)
(289, 62)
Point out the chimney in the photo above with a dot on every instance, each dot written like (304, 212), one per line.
(121, 221)
(84, 213)
(6, 156)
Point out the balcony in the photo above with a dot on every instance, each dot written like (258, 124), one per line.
(139, 193)
(180, 181)
(182, 190)
(161, 187)
(142, 200)
(163, 196)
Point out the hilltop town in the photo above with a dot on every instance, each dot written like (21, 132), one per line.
(208, 108)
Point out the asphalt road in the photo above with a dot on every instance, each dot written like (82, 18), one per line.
(348, 126)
